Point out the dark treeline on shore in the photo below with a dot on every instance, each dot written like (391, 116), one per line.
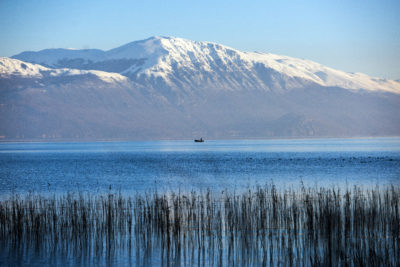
(261, 226)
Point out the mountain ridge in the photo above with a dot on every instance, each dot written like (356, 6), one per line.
(175, 63)
(15, 67)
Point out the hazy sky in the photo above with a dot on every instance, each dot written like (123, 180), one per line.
(356, 36)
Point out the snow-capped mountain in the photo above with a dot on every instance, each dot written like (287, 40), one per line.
(172, 88)
(12, 67)
(180, 64)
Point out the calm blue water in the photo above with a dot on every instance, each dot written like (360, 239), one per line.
(170, 165)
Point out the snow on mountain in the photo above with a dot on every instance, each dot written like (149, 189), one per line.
(176, 63)
(323, 75)
(14, 67)
(10, 67)
(51, 57)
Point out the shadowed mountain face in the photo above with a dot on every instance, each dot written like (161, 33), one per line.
(171, 88)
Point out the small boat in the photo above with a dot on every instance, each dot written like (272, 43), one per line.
(201, 140)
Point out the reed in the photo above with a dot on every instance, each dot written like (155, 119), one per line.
(261, 226)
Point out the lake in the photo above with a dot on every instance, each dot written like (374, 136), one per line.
(128, 167)
(217, 203)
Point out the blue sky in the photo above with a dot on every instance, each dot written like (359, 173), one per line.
(356, 36)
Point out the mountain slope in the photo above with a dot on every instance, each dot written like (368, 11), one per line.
(19, 69)
(176, 64)
(41, 103)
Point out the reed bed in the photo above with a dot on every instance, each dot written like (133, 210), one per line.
(261, 226)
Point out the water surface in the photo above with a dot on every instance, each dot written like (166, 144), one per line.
(171, 165)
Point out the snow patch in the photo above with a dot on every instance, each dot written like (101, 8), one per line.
(15, 67)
